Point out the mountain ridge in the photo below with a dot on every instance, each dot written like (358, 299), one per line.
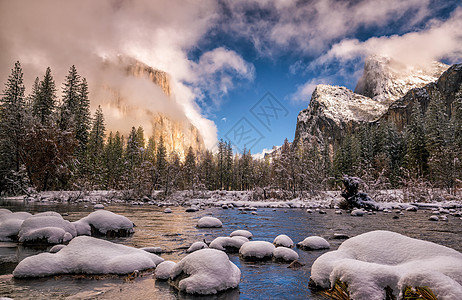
(335, 111)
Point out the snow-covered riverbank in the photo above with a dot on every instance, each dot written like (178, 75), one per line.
(387, 199)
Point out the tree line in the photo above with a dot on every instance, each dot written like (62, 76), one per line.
(48, 143)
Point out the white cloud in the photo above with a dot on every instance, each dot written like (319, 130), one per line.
(310, 27)
(304, 91)
(261, 154)
(217, 70)
(441, 40)
(158, 33)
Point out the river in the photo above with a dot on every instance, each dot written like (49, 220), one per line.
(176, 231)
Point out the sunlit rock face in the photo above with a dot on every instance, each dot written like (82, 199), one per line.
(134, 94)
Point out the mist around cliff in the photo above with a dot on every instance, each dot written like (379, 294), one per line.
(86, 33)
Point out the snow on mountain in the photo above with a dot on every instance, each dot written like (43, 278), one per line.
(334, 110)
(386, 80)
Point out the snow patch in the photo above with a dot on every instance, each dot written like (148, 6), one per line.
(197, 246)
(103, 221)
(209, 270)
(46, 228)
(87, 255)
(372, 261)
(228, 243)
(209, 222)
(163, 270)
(240, 232)
(314, 243)
(286, 254)
(10, 224)
(283, 240)
(257, 250)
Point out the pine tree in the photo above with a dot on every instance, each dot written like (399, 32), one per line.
(82, 116)
(71, 99)
(46, 101)
(34, 95)
(161, 164)
(96, 149)
(12, 129)
(132, 152)
(417, 154)
(189, 169)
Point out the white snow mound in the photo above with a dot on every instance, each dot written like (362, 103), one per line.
(87, 255)
(209, 222)
(257, 249)
(163, 270)
(197, 246)
(52, 229)
(372, 261)
(10, 224)
(103, 221)
(283, 253)
(209, 270)
(314, 243)
(241, 232)
(284, 241)
(224, 243)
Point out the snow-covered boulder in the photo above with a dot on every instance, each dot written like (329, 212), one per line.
(48, 214)
(98, 206)
(358, 212)
(209, 270)
(48, 229)
(314, 243)
(285, 254)
(87, 255)
(257, 250)
(370, 262)
(284, 241)
(411, 208)
(228, 244)
(56, 248)
(433, 218)
(240, 232)
(4, 211)
(163, 270)
(104, 223)
(155, 250)
(10, 224)
(168, 210)
(197, 246)
(209, 222)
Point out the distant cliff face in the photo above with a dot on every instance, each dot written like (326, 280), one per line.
(176, 130)
(399, 112)
(334, 110)
(386, 80)
(383, 93)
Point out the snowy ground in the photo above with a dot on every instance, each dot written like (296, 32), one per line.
(387, 199)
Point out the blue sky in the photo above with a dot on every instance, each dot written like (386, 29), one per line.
(223, 56)
(283, 69)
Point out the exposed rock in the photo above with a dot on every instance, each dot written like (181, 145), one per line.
(354, 198)
(399, 113)
(168, 121)
(332, 112)
(386, 80)
(384, 93)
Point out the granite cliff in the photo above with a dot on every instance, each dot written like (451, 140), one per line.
(385, 93)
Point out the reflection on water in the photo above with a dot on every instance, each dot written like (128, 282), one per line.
(176, 231)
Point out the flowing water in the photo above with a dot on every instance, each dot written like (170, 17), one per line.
(176, 231)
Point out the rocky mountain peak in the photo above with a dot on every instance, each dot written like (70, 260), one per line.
(334, 111)
(385, 79)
